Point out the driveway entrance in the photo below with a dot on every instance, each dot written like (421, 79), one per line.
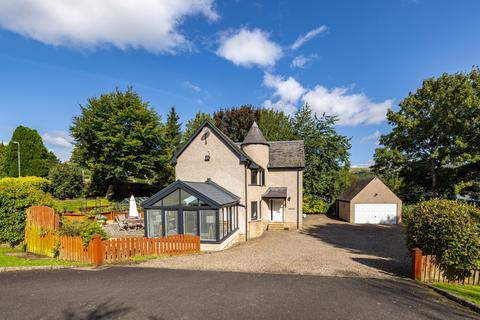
(324, 246)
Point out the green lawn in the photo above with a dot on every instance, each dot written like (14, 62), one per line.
(18, 261)
(76, 204)
(471, 293)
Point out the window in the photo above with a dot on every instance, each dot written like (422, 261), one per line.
(220, 223)
(172, 199)
(207, 224)
(225, 221)
(190, 222)
(155, 227)
(171, 222)
(253, 176)
(187, 199)
(262, 177)
(254, 210)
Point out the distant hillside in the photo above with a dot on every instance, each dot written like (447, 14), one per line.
(361, 171)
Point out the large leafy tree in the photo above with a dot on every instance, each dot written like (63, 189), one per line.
(275, 125)
(434, 141)
(118, 137)
(235, 122)
(173, 137)
(3, 154)
(193, 124)
(35, 159)
(67, 180)
(326, 155)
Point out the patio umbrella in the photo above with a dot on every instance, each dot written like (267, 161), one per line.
(132, 210)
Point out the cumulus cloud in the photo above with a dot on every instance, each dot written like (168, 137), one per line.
(249, 47)
(147, 24)
(372, 138)
(191, 86)
(302, 61)
(351, 108)
(301, 40)
(287, 91)
(60, 143)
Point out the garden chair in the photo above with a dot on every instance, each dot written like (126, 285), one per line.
(122, 224)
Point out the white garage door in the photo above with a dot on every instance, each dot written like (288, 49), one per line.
(376, 213)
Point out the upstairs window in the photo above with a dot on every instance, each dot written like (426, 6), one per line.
(254, 177)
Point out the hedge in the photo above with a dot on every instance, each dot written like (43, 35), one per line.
(450, 231)
(16, 195)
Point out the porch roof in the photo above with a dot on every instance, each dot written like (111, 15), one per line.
(275, 192)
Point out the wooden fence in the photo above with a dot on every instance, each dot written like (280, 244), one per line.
(41, 237)
(425, 269)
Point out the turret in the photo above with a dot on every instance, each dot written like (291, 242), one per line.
(256, 146)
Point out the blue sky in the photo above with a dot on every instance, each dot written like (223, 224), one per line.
(354, 59)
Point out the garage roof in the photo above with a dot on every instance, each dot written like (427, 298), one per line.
(355, 188)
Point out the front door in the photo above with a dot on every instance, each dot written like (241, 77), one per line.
(276, 207)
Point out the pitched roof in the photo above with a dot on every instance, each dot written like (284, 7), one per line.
(355, 188)
(275, 192)
(224, 138)
(286, 154)
(208, 191)
(213, 191)
(254, 136)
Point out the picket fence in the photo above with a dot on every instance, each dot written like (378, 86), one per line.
(425, 269)
(41, 237)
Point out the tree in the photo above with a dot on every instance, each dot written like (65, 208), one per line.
(235, 122)
(119, 137)
(35, 159)
(433, 144)
(326, 155)
(3, 154)
(193, 124)
(275, 125)
(173, 138)
(67, 180)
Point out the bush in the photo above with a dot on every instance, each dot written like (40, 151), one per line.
(16, 195)
(85, 229)
(450, 231)
(314, 205)
(67, 180)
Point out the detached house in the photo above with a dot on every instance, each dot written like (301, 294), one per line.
(227, 192)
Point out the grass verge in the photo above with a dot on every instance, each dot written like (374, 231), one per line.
(468, 292)
(13, 257)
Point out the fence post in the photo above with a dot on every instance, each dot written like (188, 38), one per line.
(417, 256)
(97, 251)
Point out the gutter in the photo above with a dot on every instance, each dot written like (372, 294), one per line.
(472, 306)
(246, 206)
(298, 199)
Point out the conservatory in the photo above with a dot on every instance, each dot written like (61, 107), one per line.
(196, 208)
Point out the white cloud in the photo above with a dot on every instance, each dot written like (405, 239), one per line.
(249, 47)
(148, 24)
(302, 61)
(287, 91)
(301, 40)
(60, 143)
(372, 138)
(191, 86)
(351, 108)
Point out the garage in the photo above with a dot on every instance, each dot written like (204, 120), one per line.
(369, 201)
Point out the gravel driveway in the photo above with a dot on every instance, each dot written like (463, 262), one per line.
(325, 246)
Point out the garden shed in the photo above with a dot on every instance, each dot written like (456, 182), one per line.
(369, 200)
(196, 208)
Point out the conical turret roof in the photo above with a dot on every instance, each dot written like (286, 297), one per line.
(254, 136)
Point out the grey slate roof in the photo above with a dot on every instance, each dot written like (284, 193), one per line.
(275, 192)
(286, 154)
(254, 136)
(355, 188)
(213, 191)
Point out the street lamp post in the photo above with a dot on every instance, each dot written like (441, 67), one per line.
(18, 155)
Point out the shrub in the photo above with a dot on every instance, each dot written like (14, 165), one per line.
(85, 229)
(314, 205)
(450, 231)
(67, 180)
(16, 195)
